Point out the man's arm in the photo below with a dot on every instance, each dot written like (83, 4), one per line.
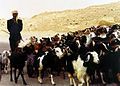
(8, 25)
(20, 25)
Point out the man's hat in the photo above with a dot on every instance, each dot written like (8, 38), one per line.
(14, 11)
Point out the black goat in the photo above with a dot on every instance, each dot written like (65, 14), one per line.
(17, 61)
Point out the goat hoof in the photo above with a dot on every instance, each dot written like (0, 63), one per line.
(16, 81)
(54, 84)
(25, 83)
(11, 80)
(104, 84)
(40, 80)
(71, 85)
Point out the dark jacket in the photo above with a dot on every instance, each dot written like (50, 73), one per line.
(14, 28)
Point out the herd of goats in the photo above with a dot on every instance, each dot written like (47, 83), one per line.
(91, 56)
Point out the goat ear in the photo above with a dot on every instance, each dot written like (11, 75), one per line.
(88, 58)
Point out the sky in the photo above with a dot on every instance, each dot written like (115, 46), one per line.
(29, 8)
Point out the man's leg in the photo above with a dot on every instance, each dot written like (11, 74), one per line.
(0, 71)
(12, 45)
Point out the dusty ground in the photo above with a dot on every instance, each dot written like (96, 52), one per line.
(33, 81)
(4, 46)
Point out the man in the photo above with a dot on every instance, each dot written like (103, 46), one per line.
(14, 26)
(0, 66)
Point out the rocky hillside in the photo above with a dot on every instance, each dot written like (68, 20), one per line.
(71, 20)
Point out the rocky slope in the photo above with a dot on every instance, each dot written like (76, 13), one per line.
(71, 20)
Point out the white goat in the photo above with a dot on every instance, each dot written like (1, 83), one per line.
(5, 60)
(80, 70)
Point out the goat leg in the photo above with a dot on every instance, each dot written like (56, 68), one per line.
(52, 79)
(18, 75)
(11, 79)
(40, 77)
(15, 75)
(24, 82)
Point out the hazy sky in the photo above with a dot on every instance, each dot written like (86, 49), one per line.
(28, 8)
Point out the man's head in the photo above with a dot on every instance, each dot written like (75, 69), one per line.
(14, 13)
